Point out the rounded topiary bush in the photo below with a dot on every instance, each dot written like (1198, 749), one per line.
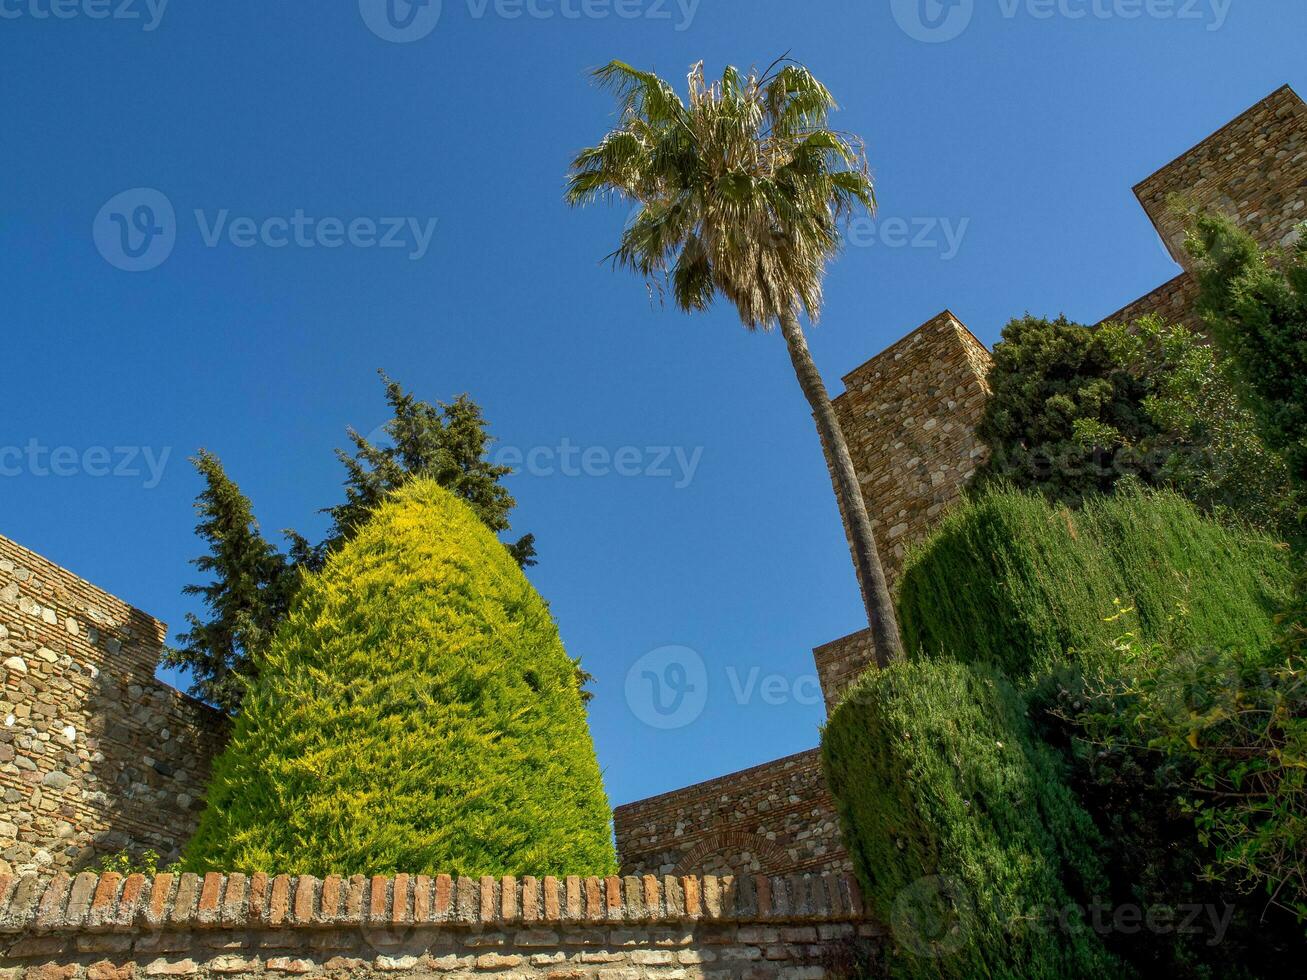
(966, 841)
(415, 713)
(1026, 585)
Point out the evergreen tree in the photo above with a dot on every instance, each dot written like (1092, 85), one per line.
(1255, 303)
(416, 712)
(448, 443)
(1063, 410)
(253, 583)
(1075, 410)
(249, 589)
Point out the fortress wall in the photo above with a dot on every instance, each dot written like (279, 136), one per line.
(1254, 169)
(909, 415)
(95, 754)
(776, 818)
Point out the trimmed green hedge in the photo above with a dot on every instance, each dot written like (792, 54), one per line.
(1012, 580)
(963, 834)
(416, 712)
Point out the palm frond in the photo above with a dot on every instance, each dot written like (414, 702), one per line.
(738, 190)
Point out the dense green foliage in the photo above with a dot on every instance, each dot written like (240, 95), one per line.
(1061, 412)
(416, 712)
(1074, 411)
(1134, 644)
(1255, 303)
(249, 589)
(1017, 582)
(251, 583)
(1200, 753)
(962, 833)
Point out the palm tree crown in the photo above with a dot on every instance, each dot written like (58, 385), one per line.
(740, 191)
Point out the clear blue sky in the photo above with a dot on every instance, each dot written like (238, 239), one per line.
(1024, 133)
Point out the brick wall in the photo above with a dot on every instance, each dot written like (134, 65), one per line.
(1254, 169)
(909, 415)
(95, 755)
(776, 818)
(109, 928)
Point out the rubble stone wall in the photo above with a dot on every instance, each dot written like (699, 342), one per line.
(776, 818)
(96, 756)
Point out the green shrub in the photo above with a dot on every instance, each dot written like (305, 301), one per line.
(1255, 303)
(416, 712)
(1018, 582)
(1226, 732)
(963, 835)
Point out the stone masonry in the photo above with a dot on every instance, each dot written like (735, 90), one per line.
(909, 415)
(771, 819)
(95, 754)
(673, 927)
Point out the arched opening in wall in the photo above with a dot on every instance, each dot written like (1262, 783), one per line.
(733, 852)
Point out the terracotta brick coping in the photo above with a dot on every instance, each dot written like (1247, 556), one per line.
(110, 903)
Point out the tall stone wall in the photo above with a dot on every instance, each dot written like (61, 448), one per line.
(1253, 169)
(109, 928)
(95, 754)
(1173, 301)
(776, 818)
(909, 415)
(841, 662)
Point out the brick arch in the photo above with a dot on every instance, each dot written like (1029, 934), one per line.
(771, 856)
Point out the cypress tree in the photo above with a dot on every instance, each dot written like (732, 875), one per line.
(247, 595)
(416, 712)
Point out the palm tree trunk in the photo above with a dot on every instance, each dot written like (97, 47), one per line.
(866, 558)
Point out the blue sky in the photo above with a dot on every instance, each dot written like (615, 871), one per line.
(1005, 147)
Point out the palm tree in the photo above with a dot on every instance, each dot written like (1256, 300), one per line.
(741, 192)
